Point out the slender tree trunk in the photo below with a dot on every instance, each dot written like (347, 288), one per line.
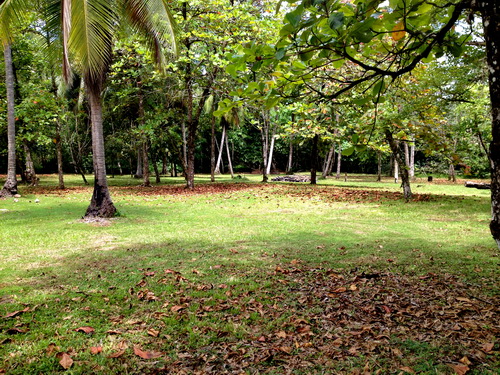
(290, 156)
(184, 143)
(396, 171)
(379, 166)
(145, 168)
(221, 148)
(452, 175)
(407, 154)
(327, 169)
(101, 204)
(270, 155)
(212, 150)
(264, 133)
(10, 186)
(120, 167)
(139, 171)
(230, 164)
(339, 162)
(314, 158)
(412, 160)
(399, 158)
(31, 178)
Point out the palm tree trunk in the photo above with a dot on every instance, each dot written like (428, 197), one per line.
(101, 204)
(10, 186)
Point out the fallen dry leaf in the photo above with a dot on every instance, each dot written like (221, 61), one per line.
(51, 348)
(407, 369)
(460, 369)
(153, 332)
(85, 329)
(488, 347)
(16, 313)
(146, 355)
(117, 354)
(65, 360)
(95, 349)
(177, 308)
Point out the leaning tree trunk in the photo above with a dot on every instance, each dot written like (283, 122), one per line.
(221, 148)
(229, 162)
(327, 168)
(101, 204)
(490, 12)
(10, 187)
(399, 159)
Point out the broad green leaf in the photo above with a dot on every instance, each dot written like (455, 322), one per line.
(348, 151)
(294, 17)
(336, 20)
(279, 54)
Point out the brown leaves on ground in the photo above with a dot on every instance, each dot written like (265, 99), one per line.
(316, 320)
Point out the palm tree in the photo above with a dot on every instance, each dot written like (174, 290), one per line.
(6, 16)
(88, 28)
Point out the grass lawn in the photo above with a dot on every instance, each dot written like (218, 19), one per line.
(239, 277)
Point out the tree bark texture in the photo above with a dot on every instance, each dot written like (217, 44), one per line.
(399, 158)
(10, 186)
(31, 178)
(101, 204)
(327, 168)
(221, 149)
(379, 166)
(490, 12)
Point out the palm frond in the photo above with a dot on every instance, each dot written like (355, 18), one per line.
(90, 36)
(153, 19)
(10, 11)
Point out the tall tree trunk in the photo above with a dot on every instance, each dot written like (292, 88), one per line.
(490, 12)
(396, 170)
(399, 158)
(101, 204)
(230, 164)
(327, 168)
(290, 156)
(212, 150)
(264, 133)
(412, 160)
(314, 158)
(10, 186)
(31, 178)
(139, 171)
(145, 167)
(339, 161)
(271, 151)
(451, 173)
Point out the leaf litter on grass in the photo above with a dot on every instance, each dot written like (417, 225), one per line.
(317, 320)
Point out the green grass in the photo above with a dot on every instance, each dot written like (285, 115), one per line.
(229, 245)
